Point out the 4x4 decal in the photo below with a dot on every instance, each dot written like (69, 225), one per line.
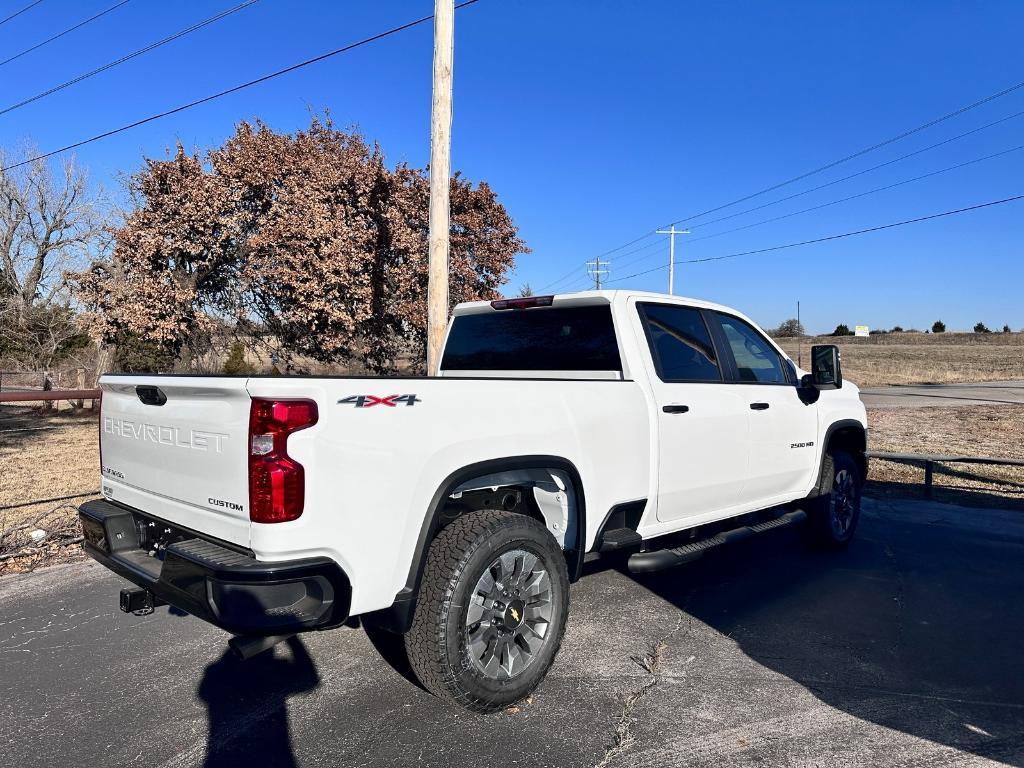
(368, 401)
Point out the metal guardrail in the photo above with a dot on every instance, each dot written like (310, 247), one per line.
(50, 500)
(49, 395)
(931, 461)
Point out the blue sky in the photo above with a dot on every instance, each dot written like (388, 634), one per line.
(597, 122)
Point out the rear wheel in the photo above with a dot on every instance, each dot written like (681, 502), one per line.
(491, 610)
(834, 516)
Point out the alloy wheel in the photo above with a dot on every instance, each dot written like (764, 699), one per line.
(843, 503)
(509, 615)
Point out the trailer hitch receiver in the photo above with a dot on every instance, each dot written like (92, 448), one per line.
(139, 601)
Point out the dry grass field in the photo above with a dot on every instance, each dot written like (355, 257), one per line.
(43, 456)
(986, 430)
(923, 358)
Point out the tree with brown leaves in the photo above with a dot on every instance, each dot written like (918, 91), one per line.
(305, 239)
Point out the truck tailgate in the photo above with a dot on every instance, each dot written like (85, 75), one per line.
(176, 447)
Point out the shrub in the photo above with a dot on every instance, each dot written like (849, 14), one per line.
(1006, 329)
(897, 329)
(981, 328)
(938, 327)
(236, 364)
(135, 354)
(789, 329)
(842, 330)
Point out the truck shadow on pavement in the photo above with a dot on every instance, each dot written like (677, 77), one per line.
(246, 702)
(916, 627)
(1011, 494)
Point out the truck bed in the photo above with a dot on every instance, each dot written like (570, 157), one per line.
(378, 454)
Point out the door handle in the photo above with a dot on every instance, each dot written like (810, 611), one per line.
(675, 408)
(759, 406)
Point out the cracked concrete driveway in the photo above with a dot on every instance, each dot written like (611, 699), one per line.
(904, 650)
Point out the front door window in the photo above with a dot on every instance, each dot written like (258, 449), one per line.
(756, 361)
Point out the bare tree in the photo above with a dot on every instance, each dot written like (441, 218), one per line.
(48, 223)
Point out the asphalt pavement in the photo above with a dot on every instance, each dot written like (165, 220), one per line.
(904, 650)
(916, 395)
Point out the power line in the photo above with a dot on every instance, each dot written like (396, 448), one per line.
(79, 25)
(840, 180)
(250, 83)
(861, 231)
(568, 277)
(28, 7)
(824, 186)
(638, 250)
(862, 194)
(866, 150)
(831, 237)
(631, 242)
(836, 202)
(575, 270)
(560, 280)
(130, 56)
(827, 166)
(579, 285)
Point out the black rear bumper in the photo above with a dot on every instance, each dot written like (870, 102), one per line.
(221, 584)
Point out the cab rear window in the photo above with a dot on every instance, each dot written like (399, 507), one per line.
(540, 339)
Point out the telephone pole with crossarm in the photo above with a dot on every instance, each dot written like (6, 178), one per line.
(672, 232)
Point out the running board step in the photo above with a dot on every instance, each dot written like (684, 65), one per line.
(620, 538)
(647, 562)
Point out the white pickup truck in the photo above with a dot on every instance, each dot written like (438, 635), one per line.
(456, 510)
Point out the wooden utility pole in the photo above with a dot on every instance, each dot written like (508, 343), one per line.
(440, 173)
(799, 337)
(596, 269)
(672, 232)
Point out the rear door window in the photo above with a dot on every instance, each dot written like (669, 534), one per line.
(578, 338)
(680, 343)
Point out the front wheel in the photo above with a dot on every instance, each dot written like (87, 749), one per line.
(491, 610)
(833, 517)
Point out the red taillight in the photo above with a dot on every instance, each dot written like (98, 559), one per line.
(277, 483)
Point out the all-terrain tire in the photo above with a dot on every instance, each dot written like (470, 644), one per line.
(444, 650)
(833, 517)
